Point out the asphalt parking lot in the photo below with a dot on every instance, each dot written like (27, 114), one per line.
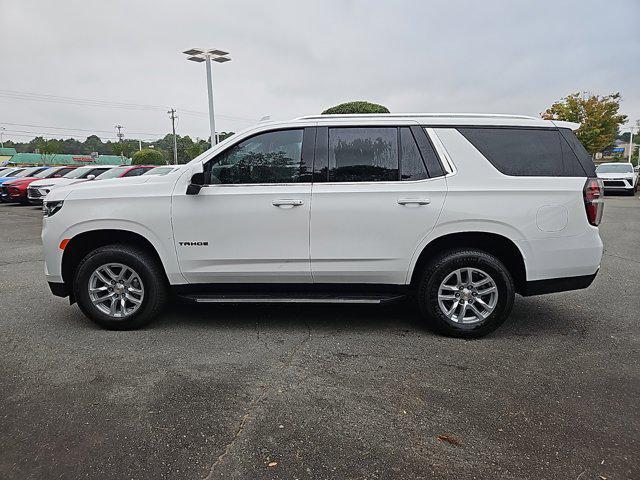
(333, 392)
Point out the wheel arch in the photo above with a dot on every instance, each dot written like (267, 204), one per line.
(83, 243)
(493, 243)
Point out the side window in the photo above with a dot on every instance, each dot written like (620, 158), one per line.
(411, 163)
(271, 157)
(581, 155)
(521, 151)
(95, 171)
(62, 172)
(135, 172)
(366, 154)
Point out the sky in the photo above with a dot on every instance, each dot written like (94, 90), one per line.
(120, 62)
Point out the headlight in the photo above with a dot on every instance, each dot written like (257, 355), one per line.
(50, 208)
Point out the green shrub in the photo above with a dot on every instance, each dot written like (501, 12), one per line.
(148, 156)
(356, 107)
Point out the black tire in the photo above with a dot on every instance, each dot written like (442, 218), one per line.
(144, 264)
(446, 263)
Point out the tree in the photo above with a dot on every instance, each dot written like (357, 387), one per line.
(597, 115)
(148, 156)
(124, 149)
(194, 150)
(47, 149)
(356, 107)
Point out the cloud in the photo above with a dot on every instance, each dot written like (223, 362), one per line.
(293, 58)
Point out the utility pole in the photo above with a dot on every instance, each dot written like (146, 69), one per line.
(139, 145)
(172, 116)
(120, 136)
(2, 129)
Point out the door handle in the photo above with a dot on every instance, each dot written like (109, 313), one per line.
(287, 203)
(414, 201)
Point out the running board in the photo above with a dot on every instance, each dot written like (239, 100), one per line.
(291, 298)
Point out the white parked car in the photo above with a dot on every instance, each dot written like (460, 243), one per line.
(162, 170)
(39, 189)
(618, 176)
(460, 212)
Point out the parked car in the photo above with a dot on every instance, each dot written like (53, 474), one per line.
(19, 174)
(15, 191)
(618, 177)
(460, 212)
(39, 189)
(162, 170)
(124, 171)
(10, 173)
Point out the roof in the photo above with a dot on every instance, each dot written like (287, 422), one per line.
(67, 159)
(496, 119)
(7, 151)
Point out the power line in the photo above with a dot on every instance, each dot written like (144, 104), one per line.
(41, 97)
(75, 129)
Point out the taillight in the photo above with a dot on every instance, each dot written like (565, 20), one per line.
(593, 201)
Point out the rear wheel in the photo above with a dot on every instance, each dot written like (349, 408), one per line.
(466, 293)
(120, 287)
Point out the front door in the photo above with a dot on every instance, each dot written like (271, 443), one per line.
(250, 224)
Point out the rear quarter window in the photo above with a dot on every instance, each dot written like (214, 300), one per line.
(525, 151)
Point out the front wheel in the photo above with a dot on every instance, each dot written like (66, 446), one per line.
(466, 293)
(120, 287)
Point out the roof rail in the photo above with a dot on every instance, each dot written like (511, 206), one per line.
(423, 115)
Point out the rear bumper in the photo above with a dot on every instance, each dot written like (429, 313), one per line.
(554, 285)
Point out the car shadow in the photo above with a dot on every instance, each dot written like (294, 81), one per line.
(542, 315)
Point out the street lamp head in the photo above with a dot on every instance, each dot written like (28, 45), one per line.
(200, 55)
(217, 53)
(194, 51)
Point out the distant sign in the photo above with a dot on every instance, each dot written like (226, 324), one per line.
(83, 158)
(618, 149)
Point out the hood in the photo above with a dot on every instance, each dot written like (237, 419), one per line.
(615, 175)
(55, 181)
(21, 181)
(96, 188)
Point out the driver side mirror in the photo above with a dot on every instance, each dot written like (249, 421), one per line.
(197, 182)
(91, 177)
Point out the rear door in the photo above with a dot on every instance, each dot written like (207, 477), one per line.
(377, 193)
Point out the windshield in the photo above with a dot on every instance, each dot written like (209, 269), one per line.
(78, 172)
(45, 173)
(15, 172)
(28, 172)
(615, 168)
(159, 171)
(113, 173)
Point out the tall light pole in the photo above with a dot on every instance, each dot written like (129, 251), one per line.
(201, 55)
(2, 129)
(631, 142)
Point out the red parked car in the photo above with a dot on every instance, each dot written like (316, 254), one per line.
(15, 191)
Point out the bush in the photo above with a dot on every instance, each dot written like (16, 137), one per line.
(356, 107)
(148, 156)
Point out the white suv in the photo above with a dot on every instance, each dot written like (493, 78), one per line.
(460, 212)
